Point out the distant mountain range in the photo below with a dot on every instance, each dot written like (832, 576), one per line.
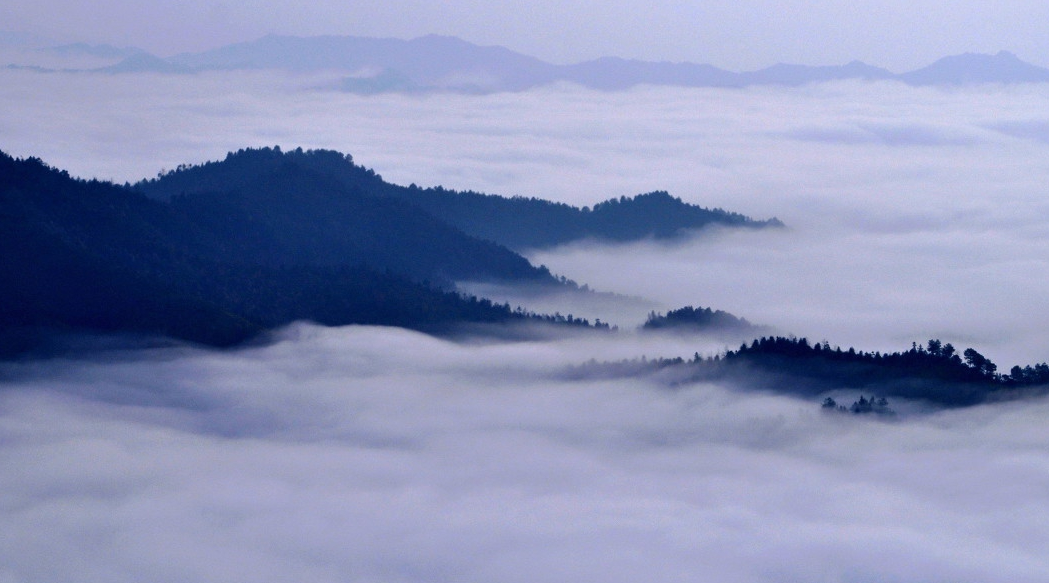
(219, 252)
(518, 223)
(442, 63)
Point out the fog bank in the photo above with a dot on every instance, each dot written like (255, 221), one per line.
(371, 454)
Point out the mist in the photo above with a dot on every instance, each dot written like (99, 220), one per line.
(376, 454)
(879, 291)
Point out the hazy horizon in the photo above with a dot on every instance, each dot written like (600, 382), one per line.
(380, 454)
(898, 36)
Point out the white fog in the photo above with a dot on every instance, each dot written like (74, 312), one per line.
(372, 454)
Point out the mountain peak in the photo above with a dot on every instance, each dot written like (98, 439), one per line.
(976, 68)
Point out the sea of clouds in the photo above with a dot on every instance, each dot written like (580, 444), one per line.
(372, 454)
(377, 454)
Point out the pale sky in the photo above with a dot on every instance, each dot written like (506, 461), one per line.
(735, 34)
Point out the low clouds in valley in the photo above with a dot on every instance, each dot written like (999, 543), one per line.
(363, 454)
(372, 454)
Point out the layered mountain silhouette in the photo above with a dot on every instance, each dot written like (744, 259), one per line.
(220, 252)
(429, 63)
(518, 223)
(92, 256)
(275, 208)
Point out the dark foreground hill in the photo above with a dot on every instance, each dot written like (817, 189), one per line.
(322, 181)
(91, 256)
(219, 252)
(274, 208)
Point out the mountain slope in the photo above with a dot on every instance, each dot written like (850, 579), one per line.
(971, 68)
(518, 223)
(271, 208)
(91, 256)
(937, 374)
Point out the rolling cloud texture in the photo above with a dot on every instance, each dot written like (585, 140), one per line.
(363, 454)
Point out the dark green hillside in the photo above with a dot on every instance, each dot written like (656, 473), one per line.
(91, 256)
(527, 223)
(219, 252)
(689, 319)
(241, 169)
(936, 373)
(269, 208)
(516, 222)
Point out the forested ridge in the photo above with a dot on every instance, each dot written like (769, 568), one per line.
(525, 223)
(689, 319)
(86, 255)
(517, 222)
(935, 372)
(272, 208)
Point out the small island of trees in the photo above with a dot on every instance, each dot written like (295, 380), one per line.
(862, 406)
(689, 318)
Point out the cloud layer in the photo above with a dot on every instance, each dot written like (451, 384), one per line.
(368, 454)
(364, 454)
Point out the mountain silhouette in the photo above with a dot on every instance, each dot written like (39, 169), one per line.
(971, 68)
(90, 256)
(435, 62)
(220, 252)
(445, 63)
(795, 75)
(285, 208)
(518, 223)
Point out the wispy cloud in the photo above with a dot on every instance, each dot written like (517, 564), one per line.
(887, 134)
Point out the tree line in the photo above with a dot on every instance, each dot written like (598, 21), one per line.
(935, 372)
